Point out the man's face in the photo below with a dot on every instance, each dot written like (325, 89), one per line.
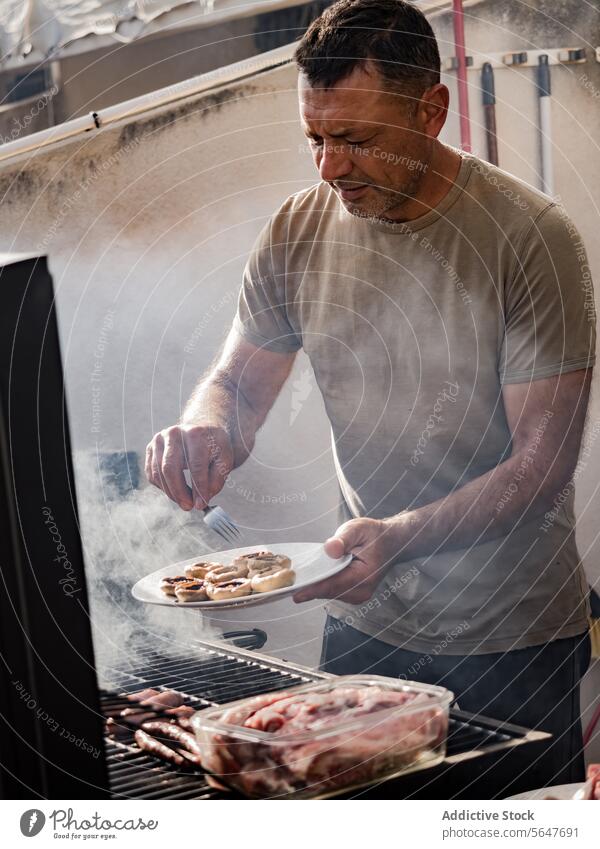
(366, 142)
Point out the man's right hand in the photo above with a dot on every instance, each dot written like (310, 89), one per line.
(205, 450)
(241, 389)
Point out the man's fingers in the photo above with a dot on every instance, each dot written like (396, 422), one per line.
(148, 462)
(220, 466)
(197, 463)
(158, 478)
(156, 460)
(347, 585)
(205, 451)
(335, 548)
(200, 492)
(350, 585)
(173, 463)
(216, 481)
(347, 538)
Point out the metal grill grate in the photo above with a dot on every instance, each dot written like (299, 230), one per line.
(211, 675)
(466, 736)
(135, 775)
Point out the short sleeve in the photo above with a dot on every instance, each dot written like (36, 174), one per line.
(262, 312)
(549, 315)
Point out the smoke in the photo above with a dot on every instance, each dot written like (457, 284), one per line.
(126, 535)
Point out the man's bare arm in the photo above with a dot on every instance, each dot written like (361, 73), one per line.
(219, 423)
(546, 420)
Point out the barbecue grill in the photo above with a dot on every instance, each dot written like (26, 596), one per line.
(53, 690)
(213, 674)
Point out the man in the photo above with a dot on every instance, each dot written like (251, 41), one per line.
(441, 304)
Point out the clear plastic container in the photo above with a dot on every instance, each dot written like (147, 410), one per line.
(324, 738)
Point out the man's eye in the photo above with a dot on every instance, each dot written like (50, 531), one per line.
(316, 142)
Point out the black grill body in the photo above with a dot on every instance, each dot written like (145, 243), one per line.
(50, 727)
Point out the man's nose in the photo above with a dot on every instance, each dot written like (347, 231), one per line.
(334, 162)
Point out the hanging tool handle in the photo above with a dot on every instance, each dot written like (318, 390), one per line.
(487, 85)
(544, 76)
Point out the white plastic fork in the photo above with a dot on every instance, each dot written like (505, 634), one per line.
(221, 523)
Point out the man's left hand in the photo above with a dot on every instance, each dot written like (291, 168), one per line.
(369, 541)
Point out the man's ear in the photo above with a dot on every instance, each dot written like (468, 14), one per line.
(432, 109)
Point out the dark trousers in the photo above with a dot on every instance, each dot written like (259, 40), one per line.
(535, 687)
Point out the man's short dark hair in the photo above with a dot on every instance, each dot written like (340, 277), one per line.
(395, 35)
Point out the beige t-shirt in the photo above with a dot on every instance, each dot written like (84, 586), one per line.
(412, 329)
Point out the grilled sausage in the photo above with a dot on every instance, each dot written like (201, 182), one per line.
(173, 732)
(141, 695)
(166, 699)
(182, 712)
(189, 756)
(135, 717)
(158, 749)
(116, 729)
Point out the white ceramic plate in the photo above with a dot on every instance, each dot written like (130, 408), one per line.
(558, 791)
(309, 562)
